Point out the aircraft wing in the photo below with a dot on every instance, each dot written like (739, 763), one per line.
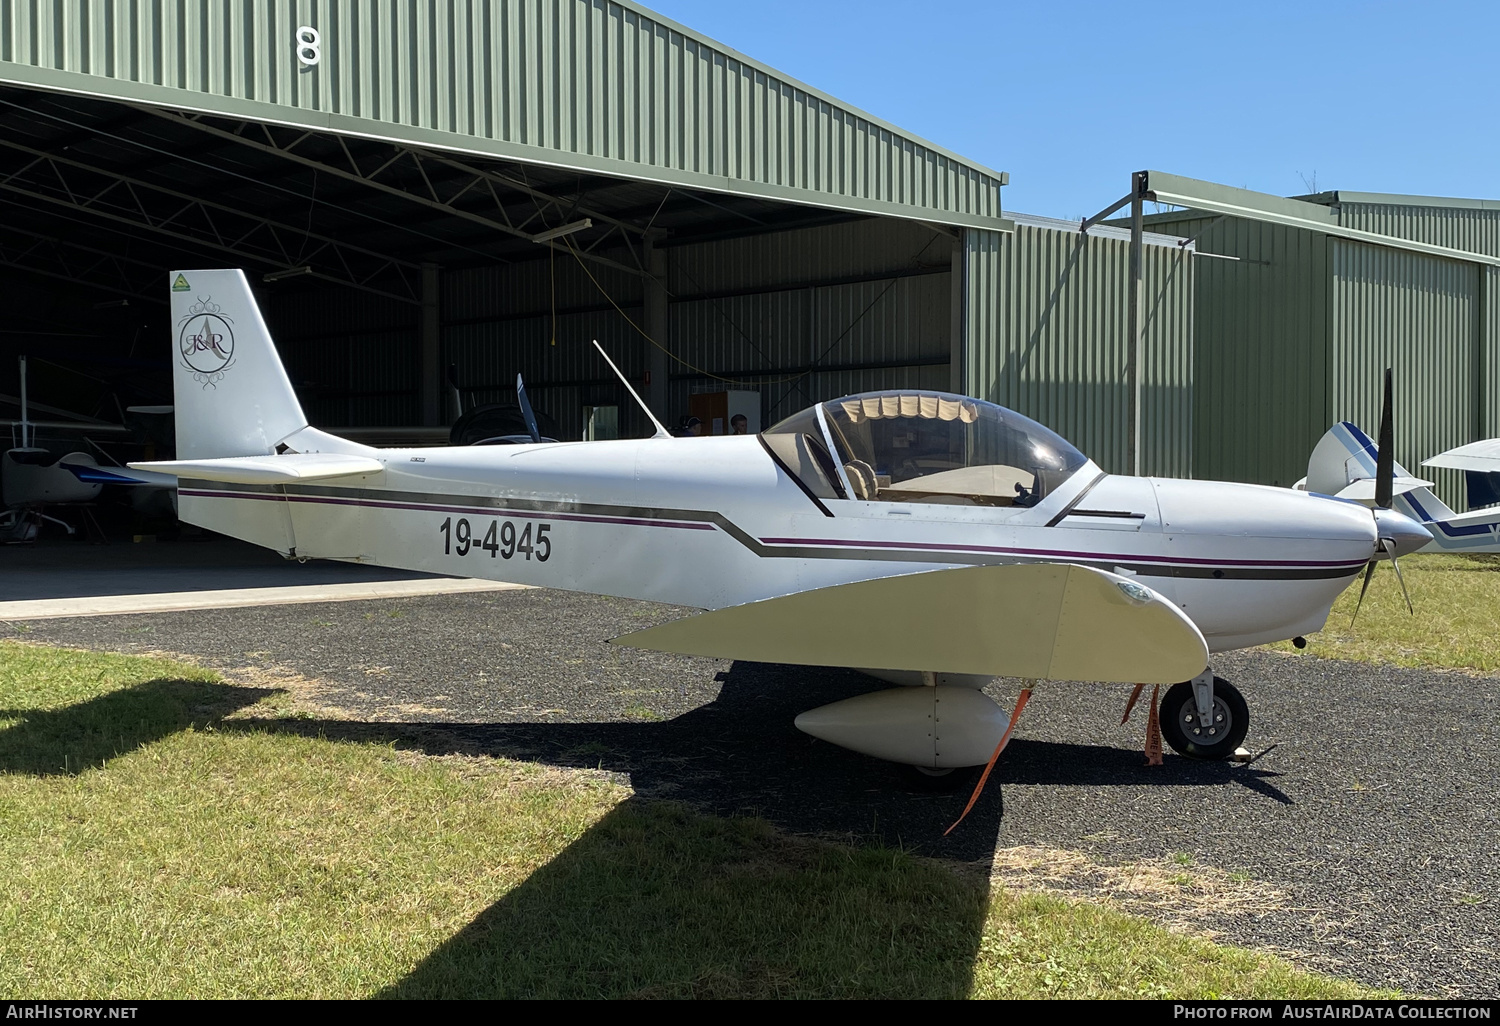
(284, 469)
(1045, 621)
(1483, 457)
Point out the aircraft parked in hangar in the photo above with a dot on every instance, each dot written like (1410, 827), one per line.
(33, 478)
(930, 539)
(1344, 463)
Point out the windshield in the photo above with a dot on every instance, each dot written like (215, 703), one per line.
(908, 446)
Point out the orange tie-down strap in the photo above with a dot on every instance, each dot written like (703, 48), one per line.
(1153, 729)
(1021, 701)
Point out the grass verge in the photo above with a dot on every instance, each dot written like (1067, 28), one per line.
(1457, 601)
(168, 835)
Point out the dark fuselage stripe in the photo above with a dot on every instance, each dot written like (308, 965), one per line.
(443, 508)
(784, 548)
(1072, 554)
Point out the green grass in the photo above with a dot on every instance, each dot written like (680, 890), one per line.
(165, 834)
(1457, 621)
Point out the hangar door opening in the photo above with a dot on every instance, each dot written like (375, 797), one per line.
(402, 283)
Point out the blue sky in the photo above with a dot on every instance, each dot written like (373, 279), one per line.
(1376, 97)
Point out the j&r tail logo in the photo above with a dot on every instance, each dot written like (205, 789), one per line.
(206, 341)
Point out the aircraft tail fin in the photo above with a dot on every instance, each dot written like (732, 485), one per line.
(232, 394)
(1343, 464)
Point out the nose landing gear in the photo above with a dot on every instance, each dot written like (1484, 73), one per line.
(1204, 718)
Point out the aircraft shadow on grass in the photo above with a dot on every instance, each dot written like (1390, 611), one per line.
(654, 901)
(599, 918)
(76, 738)
(741, 755)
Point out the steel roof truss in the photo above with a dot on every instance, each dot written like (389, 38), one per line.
(261, 258)
(192, 219)
(71, 261)
(431, 201)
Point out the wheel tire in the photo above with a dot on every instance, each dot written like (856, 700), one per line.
(925, 780)
(1180, 728)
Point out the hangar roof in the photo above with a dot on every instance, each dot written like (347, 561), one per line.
(575, 87)
(1191, 194)
(1396, 199)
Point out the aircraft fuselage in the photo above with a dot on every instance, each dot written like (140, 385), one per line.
(714, 522)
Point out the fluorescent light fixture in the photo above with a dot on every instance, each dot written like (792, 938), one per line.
(290, 272)
(563, 229)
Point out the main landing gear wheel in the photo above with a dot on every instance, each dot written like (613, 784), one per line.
(940, 781)
(1183, 729)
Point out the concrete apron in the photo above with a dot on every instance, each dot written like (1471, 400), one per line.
(163, 602)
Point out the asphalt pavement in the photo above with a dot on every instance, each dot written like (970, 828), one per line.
(1368, 812)
(72, 578)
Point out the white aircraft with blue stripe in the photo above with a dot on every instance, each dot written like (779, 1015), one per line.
(1344, 464)
(931, 540)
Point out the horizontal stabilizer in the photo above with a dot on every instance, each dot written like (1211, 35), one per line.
(1044, 621)
(87, 470)
(1483, 457)
(285, 469)
(1363, 490)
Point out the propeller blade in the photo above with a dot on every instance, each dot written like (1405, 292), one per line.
(1369, 572)
(1385, 459)
(536, 435)
(1390, 548)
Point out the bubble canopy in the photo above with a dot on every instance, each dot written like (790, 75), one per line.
(918, 446)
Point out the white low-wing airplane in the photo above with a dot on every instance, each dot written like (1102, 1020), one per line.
(929, 539)
(1344, 463)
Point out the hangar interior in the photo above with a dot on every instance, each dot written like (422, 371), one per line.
(381, 257)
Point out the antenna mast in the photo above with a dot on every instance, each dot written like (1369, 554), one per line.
(661, 432)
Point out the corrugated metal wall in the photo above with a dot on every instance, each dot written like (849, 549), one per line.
(1419, 315)
(986, 343)
(800, 316)
(1261, 351)
(353, 357)
(607, 82)
(1489, 369)
(497, 322)
(1444, 297)
(1296, 334)
(1473, 230)
(1046, 327)
(822, 312)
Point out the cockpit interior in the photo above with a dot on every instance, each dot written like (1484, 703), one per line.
(918, 446)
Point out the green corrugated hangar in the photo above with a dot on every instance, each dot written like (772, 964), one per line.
(1321, 295)
(416, 186)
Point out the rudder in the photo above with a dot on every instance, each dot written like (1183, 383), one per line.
(232, 394)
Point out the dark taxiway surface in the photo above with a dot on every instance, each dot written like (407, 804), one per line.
(1371, 809)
